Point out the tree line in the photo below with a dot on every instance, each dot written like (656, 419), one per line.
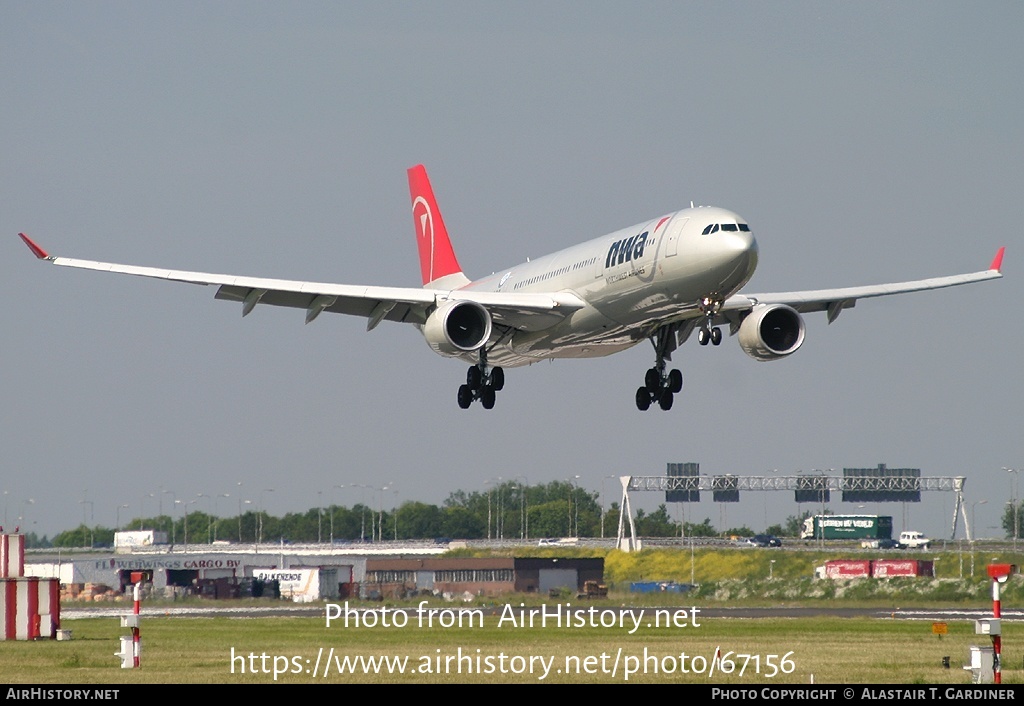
(508, 511)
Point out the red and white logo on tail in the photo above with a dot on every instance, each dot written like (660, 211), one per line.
(437, 258)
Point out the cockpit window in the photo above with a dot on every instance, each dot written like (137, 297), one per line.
(733, 227)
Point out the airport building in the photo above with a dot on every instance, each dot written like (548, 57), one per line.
(303, 572)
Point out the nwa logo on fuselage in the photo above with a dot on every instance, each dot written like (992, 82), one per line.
(626, 249)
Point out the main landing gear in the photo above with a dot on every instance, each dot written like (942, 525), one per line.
(660, 386)
(481, 384)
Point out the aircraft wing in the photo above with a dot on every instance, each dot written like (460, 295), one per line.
(376, 304)
(833, 301)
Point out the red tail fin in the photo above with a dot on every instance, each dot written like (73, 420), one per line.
(437, 258)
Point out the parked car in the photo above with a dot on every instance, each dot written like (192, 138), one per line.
(764, 540)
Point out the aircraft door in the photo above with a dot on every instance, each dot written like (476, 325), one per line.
(675, 230)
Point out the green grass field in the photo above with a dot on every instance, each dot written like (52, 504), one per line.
(199, 650)
(867, 650)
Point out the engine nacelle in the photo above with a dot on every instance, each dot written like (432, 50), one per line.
(771, 331)
(454, 328)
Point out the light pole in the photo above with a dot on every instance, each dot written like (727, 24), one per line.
(380, 512)
(185, 519)
(216, 519)
(490, 489)
(603, 501)
(209, 518)
(974, 525)
(259, 532)
(240, 503)
(239, 512)
(573, 506)
(362, 504)
(319, 516)
(119, 508)
(394, 512)
(974, 532)
(23, 518)
(173, 523)
(174, 497)
(339, 487)
(1016, 510)
(142, 508)
(524, 529)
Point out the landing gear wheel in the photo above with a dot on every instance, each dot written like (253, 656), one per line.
(465, 396)
(666, 400)
(497, 379)
(643, 399)
(487, 397)
(675, 381)
(653, 380)
(474, 377)
(716, 336)
(703, 336)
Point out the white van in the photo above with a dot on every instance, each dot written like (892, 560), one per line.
(912, 539)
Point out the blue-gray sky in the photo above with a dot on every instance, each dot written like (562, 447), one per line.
(864, 142)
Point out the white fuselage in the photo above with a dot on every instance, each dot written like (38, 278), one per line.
(633, 281)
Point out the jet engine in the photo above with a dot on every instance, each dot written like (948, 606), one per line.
(771, 331)
(456, 327)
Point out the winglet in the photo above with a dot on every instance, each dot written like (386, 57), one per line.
(36, 250)
(997, 261)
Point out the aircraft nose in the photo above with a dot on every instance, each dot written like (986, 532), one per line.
(740, 251)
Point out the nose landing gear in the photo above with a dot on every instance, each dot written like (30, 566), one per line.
(708, 333)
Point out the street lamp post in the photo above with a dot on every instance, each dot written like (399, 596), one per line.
(490, 489)
(380, 511)
(239, 512)
(142, 508)
(339, 487)
(974, 525)
(209, 518)
(573, 505)
(259, 531)
(174, 497)
(23, 517)
(524, 532)
(1016, 510)
(119, 508)
(216, 519)
(394, 512)
(185, 519)
(974, 531)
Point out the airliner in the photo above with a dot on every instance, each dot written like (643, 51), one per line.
(659, 281)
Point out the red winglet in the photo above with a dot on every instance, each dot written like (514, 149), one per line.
(36, 250)
(997, 261)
